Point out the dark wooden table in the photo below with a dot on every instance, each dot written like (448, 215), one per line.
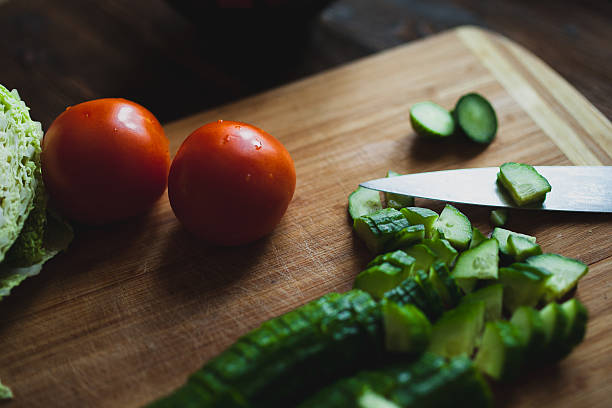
(62, 52)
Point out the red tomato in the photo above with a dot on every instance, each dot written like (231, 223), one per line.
(230, 183)
(105, 160)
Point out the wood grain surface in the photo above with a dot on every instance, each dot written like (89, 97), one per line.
(130, 310)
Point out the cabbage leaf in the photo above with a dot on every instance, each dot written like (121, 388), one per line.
(20, 147)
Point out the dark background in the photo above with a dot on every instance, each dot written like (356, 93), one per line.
(62, 52)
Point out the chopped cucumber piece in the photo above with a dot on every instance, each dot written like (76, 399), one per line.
(501, 352)
(477, 237)
(430, 381)
(407, 236)
(521, 288)
(565, 273)
(378, 279)
(499, 217)
(531, 330)
(440, 279)
(456, 384)
(443, 249)
(423, 255)
(523, 182)
(371, 399)
(377, 229)
(492, 296)
(457, 330)
(467, 285)
(410, 292)
(502, 235)
(555, 327)
(436, 305)
(476, 118)
(424, 216)
(407, 330)
(480, 262)
(366, 230)
(577, 317)
(396, 258)
(454, 227)
(431, 120)
(522, 248)
(363, 201)
(5, 392)
(397, 201)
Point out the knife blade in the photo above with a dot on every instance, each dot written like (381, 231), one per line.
(574, 188)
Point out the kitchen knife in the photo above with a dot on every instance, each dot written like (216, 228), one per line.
(574, 188)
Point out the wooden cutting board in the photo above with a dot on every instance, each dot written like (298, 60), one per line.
(130, 310)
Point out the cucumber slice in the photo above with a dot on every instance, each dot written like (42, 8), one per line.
(531, 330)
(454, 227)
(499, 217)
(480, 262)
(397, 201)
(407, 236)
(501, 353)
(457, 330)
(377, 229)
(423, 255)
(477, 237)
(476, 118)
(521, 288)
(522, 248)
(565, 273)
(444, 285)
(577, 317)
(371, 399)
(431, 120)
(555, 327)
(407, 330)
(363, 201)
(523, 182)
(502, 235)
(443, 249)
(424, 216)
(378, 279)
(491, 296)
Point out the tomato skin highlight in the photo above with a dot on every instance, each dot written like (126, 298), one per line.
(105, 160)
(230, 183)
